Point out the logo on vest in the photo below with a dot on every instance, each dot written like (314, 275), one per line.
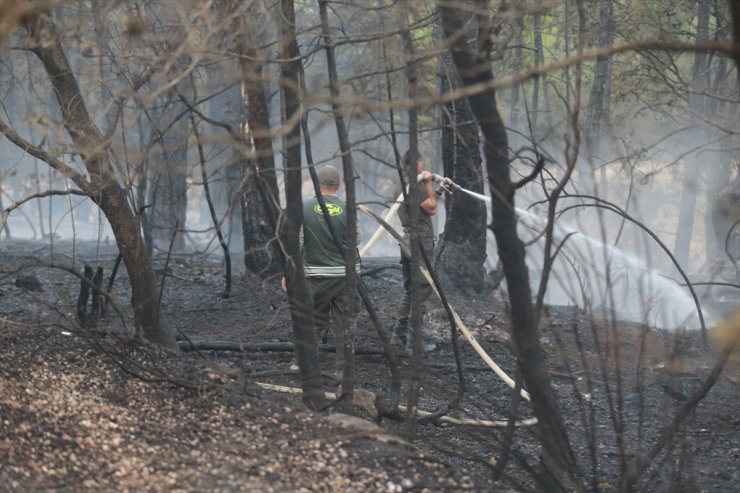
(333, 209)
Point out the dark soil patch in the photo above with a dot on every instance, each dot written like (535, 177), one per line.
(105, 414)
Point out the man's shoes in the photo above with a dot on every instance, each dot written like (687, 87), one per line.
(427, 347)
(399, 337)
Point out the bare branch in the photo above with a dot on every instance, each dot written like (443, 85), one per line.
(37, 152)
(6, 212)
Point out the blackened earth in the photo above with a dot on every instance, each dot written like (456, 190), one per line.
(97, 412)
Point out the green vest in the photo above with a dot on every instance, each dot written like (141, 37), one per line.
(321, 256)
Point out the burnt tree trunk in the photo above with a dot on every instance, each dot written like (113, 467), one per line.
(725, 218)
(261, 197)
(692, 169)
(539, 58)
(559, 464)
(350, 252)
(462, 246)
(735, 14)
(416, 261)
(260, 254)
(597, 113)
(103, 187)
(718, 177)
(723, 110)
(301, 306)
(91, 284)
(516, 70)
(4, 226)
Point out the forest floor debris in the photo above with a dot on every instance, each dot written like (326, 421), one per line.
(73, 418)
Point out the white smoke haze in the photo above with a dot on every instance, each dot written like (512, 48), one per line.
(632, 281)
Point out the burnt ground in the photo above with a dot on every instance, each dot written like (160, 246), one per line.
(100, 413)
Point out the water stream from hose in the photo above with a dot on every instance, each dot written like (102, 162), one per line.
(607, 281)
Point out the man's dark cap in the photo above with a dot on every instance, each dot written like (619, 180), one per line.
(328, 175)
(411, 157)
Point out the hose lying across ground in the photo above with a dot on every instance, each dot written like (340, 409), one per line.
(502, 423)
(458, 321)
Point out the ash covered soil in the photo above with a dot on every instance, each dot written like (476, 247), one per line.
(97, 412)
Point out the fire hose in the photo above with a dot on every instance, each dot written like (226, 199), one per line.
(394, 208)
(445, 184)
(458, 321)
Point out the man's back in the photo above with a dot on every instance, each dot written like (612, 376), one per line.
(322, 256)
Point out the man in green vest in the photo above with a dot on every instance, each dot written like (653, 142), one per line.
(323, 262)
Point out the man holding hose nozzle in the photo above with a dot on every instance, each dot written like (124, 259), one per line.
(427, 208)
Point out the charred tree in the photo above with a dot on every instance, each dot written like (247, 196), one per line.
(90, 286)
(461, 252)
(301, 305)
(726, 220)
(516, 67)
(5, 228)
(721, 108)
(735, 14)
(412, 198)
(539, 57)
(350, 252)
(559, 463)
(597, 112)
(692, 169)
(261, 254)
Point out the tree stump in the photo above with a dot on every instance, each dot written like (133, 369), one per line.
(90, 291)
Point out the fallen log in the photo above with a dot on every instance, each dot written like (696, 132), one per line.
(251, 347)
